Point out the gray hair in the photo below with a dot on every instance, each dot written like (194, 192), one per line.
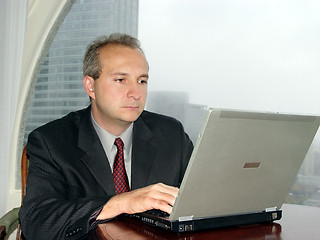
(91, 62)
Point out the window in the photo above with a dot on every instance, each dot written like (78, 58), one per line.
(237, 54)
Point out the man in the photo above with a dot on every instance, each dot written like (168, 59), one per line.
(73, 180)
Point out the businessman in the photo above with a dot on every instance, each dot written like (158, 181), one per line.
(108, 159)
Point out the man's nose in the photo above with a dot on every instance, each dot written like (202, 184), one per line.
(134, 91)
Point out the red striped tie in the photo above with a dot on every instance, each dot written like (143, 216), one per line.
(120, 177)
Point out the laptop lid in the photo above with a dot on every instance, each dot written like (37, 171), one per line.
(243, 162)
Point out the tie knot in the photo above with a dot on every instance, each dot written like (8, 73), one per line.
(119, 143)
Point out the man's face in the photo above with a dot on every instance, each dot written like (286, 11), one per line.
(119, 94)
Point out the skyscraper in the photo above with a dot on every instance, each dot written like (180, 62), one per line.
(176, 104)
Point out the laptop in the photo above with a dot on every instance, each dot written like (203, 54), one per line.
(240, 172)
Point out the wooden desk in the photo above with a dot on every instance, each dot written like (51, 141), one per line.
(298, 222)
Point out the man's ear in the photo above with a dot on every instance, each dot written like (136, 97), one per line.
(88, 84)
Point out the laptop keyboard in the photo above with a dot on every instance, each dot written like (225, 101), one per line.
(157, 212)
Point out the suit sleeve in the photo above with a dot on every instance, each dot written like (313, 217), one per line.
(48, 212)
(187, 148)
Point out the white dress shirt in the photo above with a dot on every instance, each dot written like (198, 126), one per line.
(107, 141)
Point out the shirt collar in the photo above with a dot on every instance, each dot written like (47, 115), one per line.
(107, 139)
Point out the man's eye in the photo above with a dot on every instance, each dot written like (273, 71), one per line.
(143, 81)
(119, 80)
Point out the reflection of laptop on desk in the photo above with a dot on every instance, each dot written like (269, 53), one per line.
(240, 171)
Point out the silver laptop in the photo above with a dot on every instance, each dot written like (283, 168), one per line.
(240, 171)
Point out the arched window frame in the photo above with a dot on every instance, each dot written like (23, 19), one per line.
(43, 22)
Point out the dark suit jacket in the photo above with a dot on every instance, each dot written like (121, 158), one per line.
(70, 176)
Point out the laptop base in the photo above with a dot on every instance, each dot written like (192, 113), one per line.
(209, 223)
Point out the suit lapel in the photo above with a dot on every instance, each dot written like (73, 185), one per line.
(94, 156)
(143, 152)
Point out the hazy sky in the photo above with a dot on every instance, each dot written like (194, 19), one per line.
(244, 54)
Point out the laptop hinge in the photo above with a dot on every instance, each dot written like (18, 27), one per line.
(185, 218)
(271, 209)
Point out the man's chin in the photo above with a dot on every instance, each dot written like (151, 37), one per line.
(132, 114)
(130, 118)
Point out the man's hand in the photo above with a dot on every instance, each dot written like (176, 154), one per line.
(157, 196)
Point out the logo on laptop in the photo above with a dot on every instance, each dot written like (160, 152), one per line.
(252, 165)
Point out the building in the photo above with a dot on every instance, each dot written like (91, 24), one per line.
(177, 105)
